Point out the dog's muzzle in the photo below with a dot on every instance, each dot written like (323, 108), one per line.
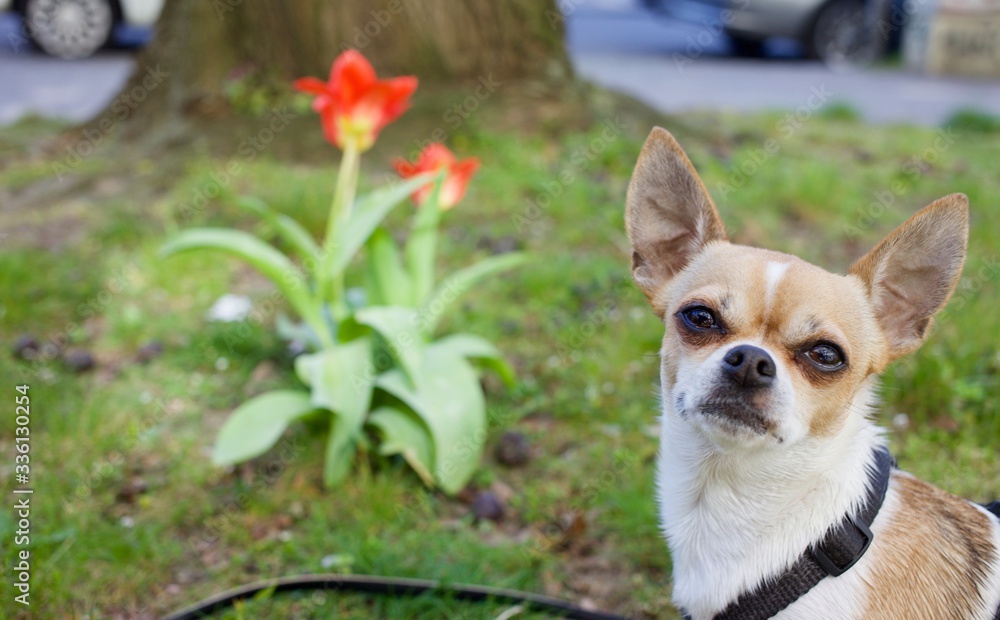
(741, 397)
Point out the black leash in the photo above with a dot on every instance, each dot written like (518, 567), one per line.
(842, 546)
(369, 584)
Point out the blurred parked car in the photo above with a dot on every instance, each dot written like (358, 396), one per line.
(78, 28)
(836, 31)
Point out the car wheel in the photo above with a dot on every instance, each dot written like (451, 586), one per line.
(838, 36)
(69, 28)
(745, 47)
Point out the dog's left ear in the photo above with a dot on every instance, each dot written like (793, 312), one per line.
(911, 273)
(669, 215)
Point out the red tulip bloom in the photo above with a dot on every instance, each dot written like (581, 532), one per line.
(354, 105)
(437, 157)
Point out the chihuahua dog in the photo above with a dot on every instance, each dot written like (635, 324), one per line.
(777, 496)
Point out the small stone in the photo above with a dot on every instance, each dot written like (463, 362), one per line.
(901, 421)
(946, 423)
(230, 309)
(149, 351)
(296, 348)
(486, 505)
(500, 245)
(341, 561)
(505, 244)
(513, 449)
(132, 489)
(503, 491)
(79, 360)
(264, 371)
(26, 347)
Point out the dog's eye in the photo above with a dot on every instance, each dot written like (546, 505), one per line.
(826, 356)
(700, 317)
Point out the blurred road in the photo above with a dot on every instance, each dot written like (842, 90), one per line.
(674, 67)
(33, 83)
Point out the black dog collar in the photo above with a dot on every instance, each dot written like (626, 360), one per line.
(839, 550)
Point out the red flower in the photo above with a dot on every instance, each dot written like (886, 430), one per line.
(355, 105)
(437, 157)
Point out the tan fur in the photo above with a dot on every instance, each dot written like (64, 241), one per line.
(669, 214)
(912, 273)
(934, 558)
(801, 312)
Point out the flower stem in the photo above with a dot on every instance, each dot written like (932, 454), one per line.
(331, 285)
(421, 246)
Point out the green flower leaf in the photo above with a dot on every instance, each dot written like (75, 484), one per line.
(405, 434)
(399, 327)
(449, 400)
(341, 380)
(262, 256)
(421, 245)
(341, 377)
(257, 424)
(389, 281)
(474, 347)
(341, 446)
(456, 285)
(287, 228)
(368, 213)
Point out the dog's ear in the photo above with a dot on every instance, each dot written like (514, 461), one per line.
(911, 273)
(669, 215)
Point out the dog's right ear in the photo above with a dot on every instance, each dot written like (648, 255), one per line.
(669, 215)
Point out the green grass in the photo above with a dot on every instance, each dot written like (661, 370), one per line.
(973, 120)
(580, 336)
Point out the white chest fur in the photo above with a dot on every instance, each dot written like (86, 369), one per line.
(736, 517)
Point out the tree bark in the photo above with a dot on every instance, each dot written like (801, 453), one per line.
(203, 45)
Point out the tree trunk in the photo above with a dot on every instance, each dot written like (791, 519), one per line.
(203, 45)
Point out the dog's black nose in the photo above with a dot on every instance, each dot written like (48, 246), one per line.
(749, 366)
